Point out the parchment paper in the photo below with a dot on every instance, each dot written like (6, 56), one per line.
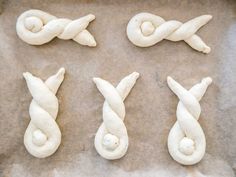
(150, 107)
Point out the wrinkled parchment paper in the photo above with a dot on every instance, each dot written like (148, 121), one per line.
(0, 6)
(150, 107)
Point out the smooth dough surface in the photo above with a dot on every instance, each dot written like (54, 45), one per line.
(186, 140)
(111, 140)
(37, 27)
(43, 136)
(145, 30)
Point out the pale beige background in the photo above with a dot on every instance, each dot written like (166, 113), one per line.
(151, 105)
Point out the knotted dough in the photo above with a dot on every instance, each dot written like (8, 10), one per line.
(43, 136)
(186, 140)
(111, 140)
(36, 27)
(146, 29)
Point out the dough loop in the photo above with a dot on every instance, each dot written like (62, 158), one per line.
(146, 29)
(43, 136)
(111, 140)
(186, 140)
(36, 27)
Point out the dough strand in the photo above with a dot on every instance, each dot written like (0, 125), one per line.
(186, 140)
(43, 136)
(145, 30)
(36, 27)
(111, 140)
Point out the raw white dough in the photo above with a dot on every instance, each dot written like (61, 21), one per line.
(111, 140)
(186, 140)
(146, 29)
(36, 27)
(43, 136)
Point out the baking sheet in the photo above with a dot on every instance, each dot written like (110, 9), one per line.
(151, 105)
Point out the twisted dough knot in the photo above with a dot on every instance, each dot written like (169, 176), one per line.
(43, 136)
(36, 27)
(146, 29)
(111, 140)
(186, 140)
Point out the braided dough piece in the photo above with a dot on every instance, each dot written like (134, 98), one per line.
(145, 30)
(111, 140)
(186, 140)
(36, 27)
(43, 136)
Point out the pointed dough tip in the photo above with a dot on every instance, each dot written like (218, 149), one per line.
(207, 80)
(136, 75)
(169, 79)
(61, 71)
(91, 17)
(26, 75)
(171, 82)
(92, 43)
(210, 16)
(206, 49)
(207, 17)
(96, 79)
